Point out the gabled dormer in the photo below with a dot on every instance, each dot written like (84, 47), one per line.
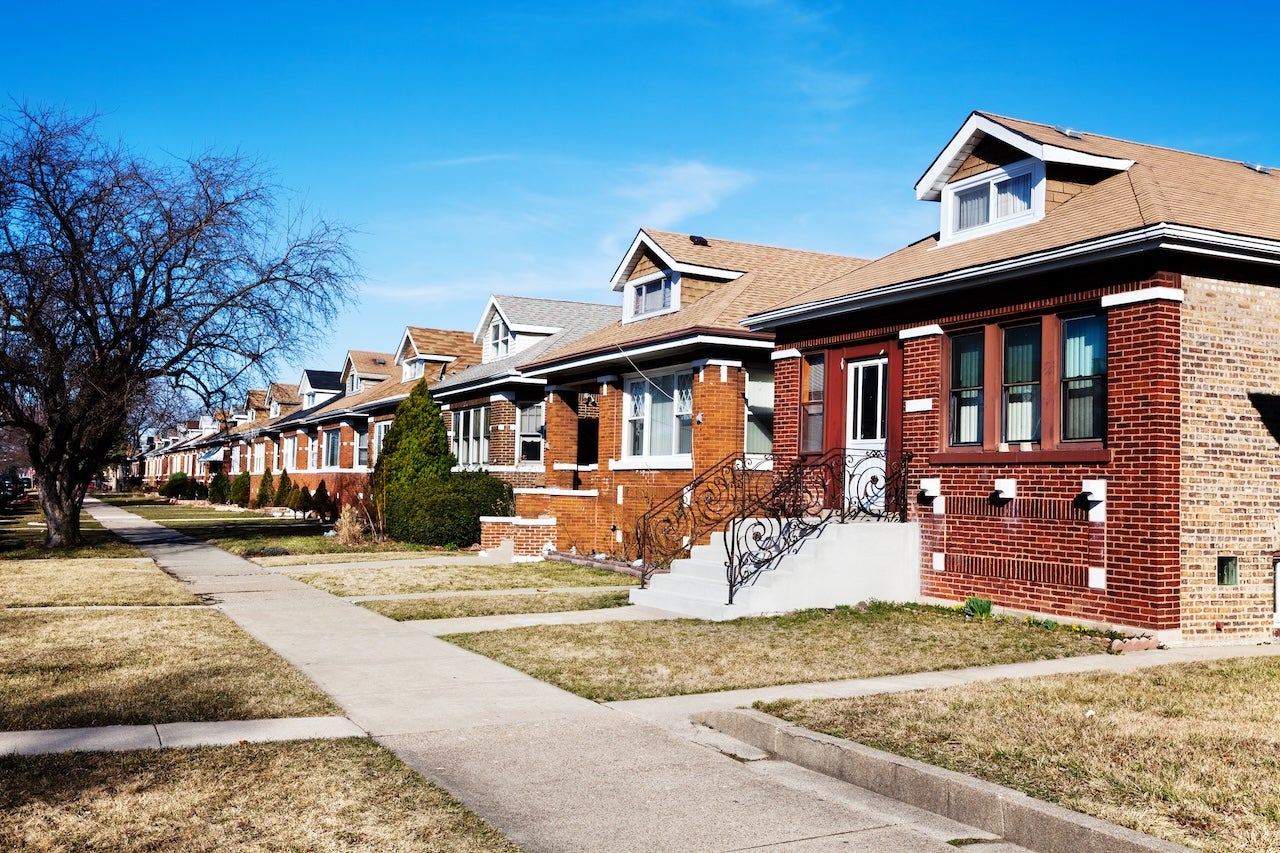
(318, 386)
(431, 353)
(282, 399)
(363, 370)
(507, 326)
(653, 281)
(991, 178)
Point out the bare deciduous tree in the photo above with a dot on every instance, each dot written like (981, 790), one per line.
(117, 273)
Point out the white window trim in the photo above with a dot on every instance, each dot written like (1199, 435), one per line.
(521, 435)
(629, 296)
(379, 436)
(289, 452)
(1034, 213)
(413, 368)
(501, 345)
(324, 450)
(645, 459)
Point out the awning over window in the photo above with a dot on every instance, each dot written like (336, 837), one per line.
(214, 455)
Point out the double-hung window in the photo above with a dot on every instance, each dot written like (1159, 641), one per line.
(332, 447)
(362, 447)
(313, 450)
(994, 200)
(966, 388)
(532, 425)
(659, 415)
(379, 436)
(1046, 380)
(289, 452)
(259, 457)
(499, 340)
(655, 294)
(471, 436)
(759, 437)
(813, 388)
(1084, 378)
(1020, 390)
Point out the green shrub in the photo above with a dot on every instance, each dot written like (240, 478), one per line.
(300, 500)
(448, 512)
(321, 503)
(284, 488)
(178, 486)
(219, 489)
(266, 490)
(240, 489)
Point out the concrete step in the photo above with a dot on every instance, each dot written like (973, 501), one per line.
(682, 605)
(693, 587)
(710, 569)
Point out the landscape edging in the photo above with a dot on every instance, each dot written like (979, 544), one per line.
(1012, 815)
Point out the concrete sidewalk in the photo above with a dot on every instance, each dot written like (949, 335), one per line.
(550, 770)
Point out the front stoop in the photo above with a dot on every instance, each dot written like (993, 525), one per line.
(847, 564)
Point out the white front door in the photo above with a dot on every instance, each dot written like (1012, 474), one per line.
(866, 420)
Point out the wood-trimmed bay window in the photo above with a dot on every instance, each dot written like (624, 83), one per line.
(1039, 383)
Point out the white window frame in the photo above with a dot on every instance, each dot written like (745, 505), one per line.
(646, 385)
(667, 280)
(289, 452)
(412, 369)
(362, 447)
(539, 435)
(259, 457)
(337, 448)
(994, 224)
(313, 450)
(746, 405)
(353, 382)
(500, 340)
(470, 441)
(379, 436)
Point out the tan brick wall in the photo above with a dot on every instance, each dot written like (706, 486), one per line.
(1230, 455)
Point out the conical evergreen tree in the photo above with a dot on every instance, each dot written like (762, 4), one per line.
(266, 490)
(219, 489)
(284, 486)
(240, 489)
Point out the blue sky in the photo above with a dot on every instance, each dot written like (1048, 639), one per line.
(517, 148)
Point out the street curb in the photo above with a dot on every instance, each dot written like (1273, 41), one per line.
(1012, 815)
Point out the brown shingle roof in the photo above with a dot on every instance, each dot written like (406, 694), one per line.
(1163, 186)
(770, 274)
(461, 345)
(284, 394)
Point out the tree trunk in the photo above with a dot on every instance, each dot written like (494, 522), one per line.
(61, 502)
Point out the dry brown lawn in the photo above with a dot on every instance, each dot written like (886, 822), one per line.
(323, 796)
(1187, 752)
(395, 580)
(452, 606)
(634, 660)
(357, 556)
(22, 537)
(64, 583)
(62, 669)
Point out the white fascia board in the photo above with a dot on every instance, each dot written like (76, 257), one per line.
(534, 330)
(373, 404)
(466, 390)
(642, 239)
(709, 340)
(406, 338)
(483, 326)
(1178, 238)
(438, 356)
(930, 185)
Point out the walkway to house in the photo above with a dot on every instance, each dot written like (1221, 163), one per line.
(553, 771)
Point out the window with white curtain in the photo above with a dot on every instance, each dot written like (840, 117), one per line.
(1055, 365)
(759, 401)
(658, 417)
(289, 452)
(1084, 378)
(532, 423)
(471, 436)
(1022, 383)
(966, 388)
(993, 200)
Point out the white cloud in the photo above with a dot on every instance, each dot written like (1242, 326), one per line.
(664, 196)
(452, 162)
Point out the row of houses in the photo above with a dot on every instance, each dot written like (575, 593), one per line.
(1078, 371)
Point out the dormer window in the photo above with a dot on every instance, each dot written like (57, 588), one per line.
(656, 294)
(353, 383)
(500, 339)
(413, 369)
(275, 409)
(993, 201)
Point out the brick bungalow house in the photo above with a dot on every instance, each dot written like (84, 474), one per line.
(1082, 364)
(674, 382)
(494, 412)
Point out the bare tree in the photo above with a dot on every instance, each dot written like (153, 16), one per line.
(117, 272)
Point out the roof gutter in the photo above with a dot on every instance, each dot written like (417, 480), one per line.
(1179, 238)
(633, 351)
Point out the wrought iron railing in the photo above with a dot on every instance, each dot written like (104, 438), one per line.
(838, 487)
(768, 509)
(705, 504)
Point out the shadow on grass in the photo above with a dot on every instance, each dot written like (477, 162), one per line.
(22, 534)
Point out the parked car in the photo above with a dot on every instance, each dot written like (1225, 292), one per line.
(11, 490)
